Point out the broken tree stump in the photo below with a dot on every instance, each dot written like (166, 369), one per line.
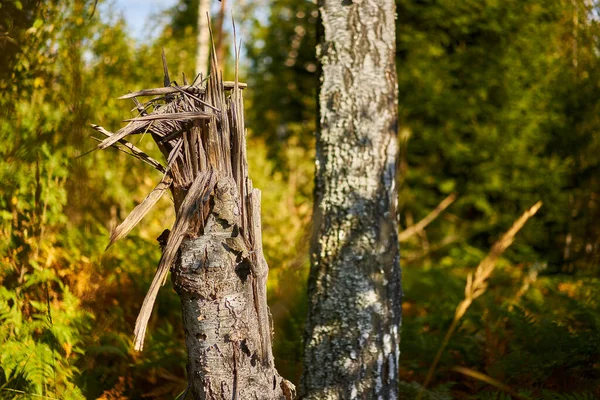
(214, 249)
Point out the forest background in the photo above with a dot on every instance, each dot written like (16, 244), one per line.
(499, 108)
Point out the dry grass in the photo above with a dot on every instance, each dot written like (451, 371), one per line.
(477, 284)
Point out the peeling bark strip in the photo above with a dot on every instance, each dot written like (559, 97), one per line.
(352, 334)
(214, 250)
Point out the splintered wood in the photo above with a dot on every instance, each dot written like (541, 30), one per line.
(199, 128)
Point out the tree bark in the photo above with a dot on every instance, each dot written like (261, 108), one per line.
(222, 285)
(352, 332)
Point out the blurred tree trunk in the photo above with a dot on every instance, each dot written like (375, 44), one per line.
(352, 332)
(202, 38)
(220, 35)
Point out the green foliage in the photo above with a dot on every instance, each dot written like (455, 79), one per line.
(283, 75)
(493, 107)
(490, 98)
(546, 339)
(569, 396)
(39, 340)
(42, 321)
(410, 390)
(483, 88)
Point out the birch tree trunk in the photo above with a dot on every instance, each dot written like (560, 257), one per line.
(221, 280)
(352, 333)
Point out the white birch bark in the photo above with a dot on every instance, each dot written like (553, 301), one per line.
(222, 285)
(353, 326)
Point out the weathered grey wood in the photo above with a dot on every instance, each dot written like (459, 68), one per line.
(353, 326)
(172, 116)
(228, 85)
(260, 270)
(214, 250)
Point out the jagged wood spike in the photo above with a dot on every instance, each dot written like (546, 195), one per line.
(145, 106)
(237, 56)
(161, 91)
(114, 146)
(191, 138)
(181, 116)
(198, 76)
(174, 152)
(202, 156)
(240, 163)
(187, 156)
(129, 129)
(138, 106)
(214, 63)
(167, 81)
(215, 88)
(198, 99)
(135, 152)
(140, 211)
(260, 271)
